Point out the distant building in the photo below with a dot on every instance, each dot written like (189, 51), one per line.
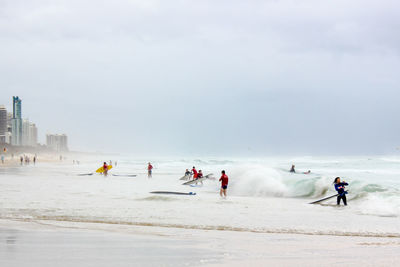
(9, 128)
(29, 133)
(3, 124)
(58, 142)
(16, 122)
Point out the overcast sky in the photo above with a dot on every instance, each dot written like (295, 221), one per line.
(207, 77)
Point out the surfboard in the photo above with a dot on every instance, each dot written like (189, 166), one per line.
(101, 169)
(173, 193)
(186, 177)
(323, 199)
(195, 181)
(125, 175)
(85, 174)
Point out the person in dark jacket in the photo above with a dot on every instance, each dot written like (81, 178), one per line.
(340, 188)
(292, 169)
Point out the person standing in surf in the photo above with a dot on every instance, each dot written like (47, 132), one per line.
(339, 187)
(105, 169)
(199, 175)
(149, 170)
(224, 184)
(292, 169)
(194, 171)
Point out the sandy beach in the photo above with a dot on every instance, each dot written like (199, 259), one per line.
(48, 243)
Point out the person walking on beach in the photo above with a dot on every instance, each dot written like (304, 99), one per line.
(339, 187)
(224, 184)
(149, 170)
(34, 160)
(105, 169)
(21, 159)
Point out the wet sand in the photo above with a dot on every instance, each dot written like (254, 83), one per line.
(52, 243)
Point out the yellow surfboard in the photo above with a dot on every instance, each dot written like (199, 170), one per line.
(101, 169)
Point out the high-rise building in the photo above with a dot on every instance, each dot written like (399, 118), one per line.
(29, 133)
(16, 122)
(58, 142)
(3, 124)
(33, 134)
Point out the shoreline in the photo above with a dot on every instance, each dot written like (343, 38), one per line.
(84, 244)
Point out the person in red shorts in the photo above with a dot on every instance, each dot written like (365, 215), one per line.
(224, 184)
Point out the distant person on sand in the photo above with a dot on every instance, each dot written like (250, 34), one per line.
(194, 171)
(224, 184)
(339, 187)
(149, 170)
(292, 169)
(105, 169)
(34, 160)
(22, 160)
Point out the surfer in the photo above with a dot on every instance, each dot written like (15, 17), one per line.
(105, 168)
(194, 171)
(292, 169)
(149, 170)
(339, 187)
(307, 172)
(199, 175)
(187, 172)
(224, 184)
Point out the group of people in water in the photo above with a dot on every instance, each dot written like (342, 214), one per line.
(196, 175)
(199, 174)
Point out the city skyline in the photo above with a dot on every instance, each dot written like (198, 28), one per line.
(18, 131)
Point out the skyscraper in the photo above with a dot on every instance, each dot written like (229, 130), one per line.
(3, 124)
(29, 133)
(16, 122)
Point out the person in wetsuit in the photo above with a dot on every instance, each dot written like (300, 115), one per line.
(340, 188)
(292, 169)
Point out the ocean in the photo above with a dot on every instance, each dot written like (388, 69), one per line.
(263, 197)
